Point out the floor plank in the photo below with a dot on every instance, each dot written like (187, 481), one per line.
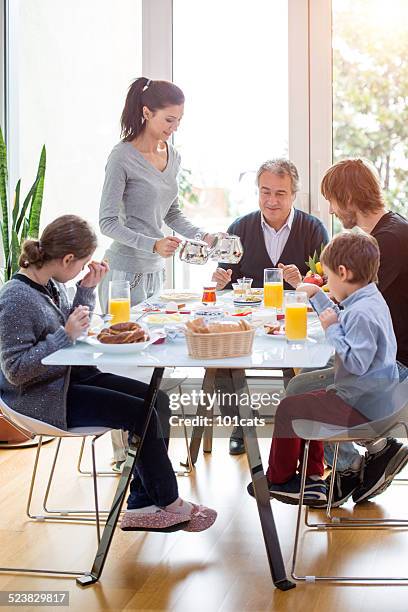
(223, 569)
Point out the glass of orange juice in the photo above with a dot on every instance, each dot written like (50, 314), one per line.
(273, 288)
(296, 315)
(119, 301)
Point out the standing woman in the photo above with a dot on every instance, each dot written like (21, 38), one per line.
(140, 192)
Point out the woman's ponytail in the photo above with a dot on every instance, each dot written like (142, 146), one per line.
(154, 95)
(131, 120)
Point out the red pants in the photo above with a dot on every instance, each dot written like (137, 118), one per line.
(287, 449)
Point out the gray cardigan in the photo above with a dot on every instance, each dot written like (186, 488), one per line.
(137, 199)
(32, 327)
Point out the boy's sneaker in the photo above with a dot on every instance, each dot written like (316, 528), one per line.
(289, 492)
(345, 484)
(380, 469)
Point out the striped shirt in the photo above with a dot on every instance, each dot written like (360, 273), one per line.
(275, 241)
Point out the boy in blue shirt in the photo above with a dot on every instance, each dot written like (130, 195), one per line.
(362, 334)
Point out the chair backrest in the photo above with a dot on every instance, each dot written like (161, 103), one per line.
(315, 430)
(39, 428)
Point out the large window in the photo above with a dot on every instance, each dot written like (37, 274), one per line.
(71, 65)
(370, 90)
(254, 75)
(232, 63)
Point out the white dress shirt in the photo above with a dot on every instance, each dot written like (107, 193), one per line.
(275, 241)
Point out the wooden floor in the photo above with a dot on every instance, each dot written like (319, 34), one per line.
(224, 568)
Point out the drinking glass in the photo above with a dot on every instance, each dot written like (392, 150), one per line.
(273, 288)
(209, 294)
(245, 285)
(296, 315)
(237, 290)
(119, 301)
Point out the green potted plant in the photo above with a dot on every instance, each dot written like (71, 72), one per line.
(23, 222)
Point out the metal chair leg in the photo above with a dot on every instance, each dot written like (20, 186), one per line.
(299, 514)
(340, 522)
(323, 526)
(87, 472)
(71, 515)
(189, 464)
(78, 574)
(95, 486)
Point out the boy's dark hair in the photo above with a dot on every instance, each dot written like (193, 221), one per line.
(356, 251)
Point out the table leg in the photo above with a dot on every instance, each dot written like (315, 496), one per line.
(208, 435)
(135, 447)
(198, 430)
(270, 534)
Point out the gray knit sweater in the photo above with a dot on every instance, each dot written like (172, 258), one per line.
(137, 199)
(32, 327)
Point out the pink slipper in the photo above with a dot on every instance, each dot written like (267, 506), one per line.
(201, 518)
(156, 521)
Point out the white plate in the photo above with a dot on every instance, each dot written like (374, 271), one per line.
(275, 336)
(118, 349)
(162, 318)
(179, 296)
(249, 303)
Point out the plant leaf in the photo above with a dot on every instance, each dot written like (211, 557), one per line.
(35, 210)
(3, 198)
(24, 207)
(24, 231)
(16, 205)
(15, 252)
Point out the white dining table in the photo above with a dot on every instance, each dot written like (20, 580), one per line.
(268, 353)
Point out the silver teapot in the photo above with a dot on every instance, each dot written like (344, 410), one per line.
(194, 252)
(225, 249)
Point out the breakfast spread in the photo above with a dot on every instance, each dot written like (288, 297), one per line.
(123, 333)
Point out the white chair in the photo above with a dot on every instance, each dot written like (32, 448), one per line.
(33, 428)
(310, 430)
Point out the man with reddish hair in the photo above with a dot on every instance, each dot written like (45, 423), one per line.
(353, 190)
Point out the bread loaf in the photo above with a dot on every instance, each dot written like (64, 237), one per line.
(199, 326)
(122, 333)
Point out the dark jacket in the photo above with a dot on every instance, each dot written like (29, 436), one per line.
(307, 235)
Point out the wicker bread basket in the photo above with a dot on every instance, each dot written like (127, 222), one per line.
(220, 345)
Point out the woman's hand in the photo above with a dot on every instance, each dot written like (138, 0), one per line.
(96, 273)
(222, 277)
(328, 317)
(308, 288)
(166, 247)
(78, 322)
(291, 274)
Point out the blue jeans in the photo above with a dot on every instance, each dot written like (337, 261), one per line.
(107, 400)
(311, 380)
